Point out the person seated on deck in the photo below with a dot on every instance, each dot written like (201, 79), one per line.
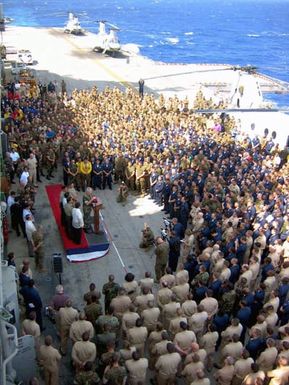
(148, 237)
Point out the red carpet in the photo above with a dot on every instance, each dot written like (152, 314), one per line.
(53, 192)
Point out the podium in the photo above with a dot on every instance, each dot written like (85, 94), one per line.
(97, 205)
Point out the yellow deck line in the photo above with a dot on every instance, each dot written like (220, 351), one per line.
(103, 66)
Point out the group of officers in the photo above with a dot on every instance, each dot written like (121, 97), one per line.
(159, 333)
(139, 143)
(98, 173)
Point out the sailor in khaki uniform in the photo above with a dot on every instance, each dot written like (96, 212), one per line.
(142, 300)
(126, 351)
(67, 316)
(189, 371)
(182, 275)
(195, 349)
(181, 291)
(184, 338)
(189, 307)
(159, 348)
(129, 318)
(208, 342)
(198, 320)
(167, 366)
(131, 286)
(168, 277)
(147, 281)
(176, 322)
(164, 295)
(137, 336)
(82, 352)
(120, 303)
(30, 327)
(234, 348)
(170, 311)
(280, 375)
(267, 358)
(137, 368)
(80, 326)
(234, 328)
(242, 367)
(201, 379)
(49, 358)
(210, 304)
(153, 339)
(255, 374)
(151, 316)
(225, 375)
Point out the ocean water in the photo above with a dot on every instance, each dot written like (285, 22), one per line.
(237, 32)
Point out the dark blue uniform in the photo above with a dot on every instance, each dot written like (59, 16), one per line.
(174, 253)
(153, 182)
(166, 195)
(184, 214)
(106, 175)
(96, 175)
(159, 190)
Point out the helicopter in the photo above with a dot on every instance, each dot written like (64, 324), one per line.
(107, 42)
(73, 26)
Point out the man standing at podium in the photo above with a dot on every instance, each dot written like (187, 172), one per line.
(88, 199)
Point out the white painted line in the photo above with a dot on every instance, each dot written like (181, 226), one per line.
(113, 244)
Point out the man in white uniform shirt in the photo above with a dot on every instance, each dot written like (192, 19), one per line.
(27, 211)
(15, 157)
(77, 223)
(24, 177)
(30, 229)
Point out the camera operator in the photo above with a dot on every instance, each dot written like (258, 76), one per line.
(174, 249)
(148, 237)
(162, 255)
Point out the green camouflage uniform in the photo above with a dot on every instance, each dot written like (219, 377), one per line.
(116, 375)
(110, 291)
(109, 320)
(50, 159)
(162, 254)
(228, 301)
(119, 167)
(140, 180)
(148, 238)
(93, 311)
(37, 238)
(102, 340)
(130, 176)
(87, 218)
(87, 378)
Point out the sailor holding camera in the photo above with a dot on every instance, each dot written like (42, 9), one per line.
(174, 249)
(148, 237)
